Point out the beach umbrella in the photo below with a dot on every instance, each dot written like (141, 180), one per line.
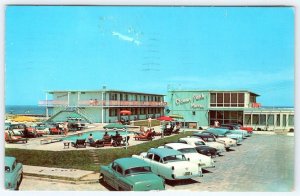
(125, 112)
(165, 118)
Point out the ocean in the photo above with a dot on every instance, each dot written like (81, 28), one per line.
(26, 109)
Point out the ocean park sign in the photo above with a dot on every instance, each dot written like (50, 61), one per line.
(191, 101)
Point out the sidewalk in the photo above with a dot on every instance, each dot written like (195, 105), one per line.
(60, 174)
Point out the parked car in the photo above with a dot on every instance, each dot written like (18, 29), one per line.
(235, 130)
(131, 174)
(13, 173)
(170, 164)
(26, 131)
(192, 155)
(209, 137)
(218, 132)
(214, 146)
(248, 129)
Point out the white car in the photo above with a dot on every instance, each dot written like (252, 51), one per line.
(170, 164)
(193, 141)
(209, 137)
(192, 155)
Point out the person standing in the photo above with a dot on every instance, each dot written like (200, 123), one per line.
(66, 129)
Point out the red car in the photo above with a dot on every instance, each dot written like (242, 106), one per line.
(248, 129)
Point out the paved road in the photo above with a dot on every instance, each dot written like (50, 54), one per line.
(261, 163)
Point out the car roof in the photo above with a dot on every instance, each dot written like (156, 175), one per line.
(163, 152)
(130, 162)
(205, 134)
(177, 146)
(9, 160)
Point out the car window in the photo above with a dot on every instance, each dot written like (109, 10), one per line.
(156, 158)
(7, 169)
(114, 166)
(210, 139)
(199, 143)
(174, 158)
(119, 169)
(187, 150)
(136, 170)
(150, 156)
(13, 166)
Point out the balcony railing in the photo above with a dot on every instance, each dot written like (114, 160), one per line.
(109, 103)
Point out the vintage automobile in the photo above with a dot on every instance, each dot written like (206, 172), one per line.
(192, 155)
(13, 173)
(202, 148)
(24, 130)
(235, 130)
(248, 129)
(131, 174)
(218, 132)
(42, 129)
(209, 137)
(170, 164)
(197, 142)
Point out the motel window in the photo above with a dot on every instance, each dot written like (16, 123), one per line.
(241, 99)
(194, 113)
(226, 99)
(247, 119)
(255, 119)
(278, 120)
(252, 99)
(234, 99)
(262, 119)
(270, 120)
(220, 99)
(112, 112)
(291, 120)
(284, 120)
(213, 99)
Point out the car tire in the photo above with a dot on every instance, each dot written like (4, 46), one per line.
(101, 178)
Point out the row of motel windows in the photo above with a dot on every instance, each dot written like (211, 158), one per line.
(136, 111)
(269, 119)
(125, 97)
(227, 99)
(225, 117)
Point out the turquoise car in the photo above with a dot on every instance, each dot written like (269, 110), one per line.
(131, 174)
(13, 173)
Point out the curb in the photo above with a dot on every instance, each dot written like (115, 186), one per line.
(56, 179)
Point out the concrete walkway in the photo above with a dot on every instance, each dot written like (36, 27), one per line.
(60, 174)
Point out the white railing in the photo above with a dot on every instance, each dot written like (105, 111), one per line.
(110, 103)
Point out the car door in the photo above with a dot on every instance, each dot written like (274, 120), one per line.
(157, 165)
(110, 175)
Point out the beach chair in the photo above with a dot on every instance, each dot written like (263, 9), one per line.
(80, 143)
(176, 131)
(107, 141)
(117, 140)
(14, 139)
(146, 136)
(97, 143)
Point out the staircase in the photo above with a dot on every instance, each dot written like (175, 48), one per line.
(68, 112)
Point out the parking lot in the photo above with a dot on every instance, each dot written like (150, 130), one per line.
(261, 163)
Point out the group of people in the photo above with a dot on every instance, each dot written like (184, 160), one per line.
(63, 127)
(106, 137)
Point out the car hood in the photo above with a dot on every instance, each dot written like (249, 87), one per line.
(197, 156)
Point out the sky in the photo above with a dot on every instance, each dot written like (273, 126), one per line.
(149, 49)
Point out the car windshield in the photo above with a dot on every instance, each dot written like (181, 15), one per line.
(199, 143)
(187, 150)
(7, 169)
(174, 158)
(137, 170)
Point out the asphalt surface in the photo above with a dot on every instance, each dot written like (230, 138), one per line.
(262, 163)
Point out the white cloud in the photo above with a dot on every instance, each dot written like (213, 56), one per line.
(126, 38)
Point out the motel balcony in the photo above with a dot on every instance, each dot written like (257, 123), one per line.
(100, 103)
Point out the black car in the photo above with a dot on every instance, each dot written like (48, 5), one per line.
(203, 149)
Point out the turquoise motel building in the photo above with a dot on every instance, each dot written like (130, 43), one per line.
(101, 106)
(201, 108)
